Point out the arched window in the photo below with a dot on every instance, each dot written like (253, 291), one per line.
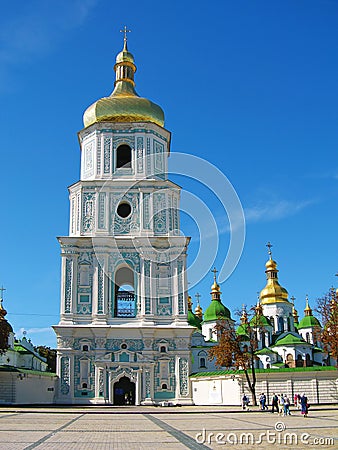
(202, 363)
(85, 348)
(123, 157)
(164, 386)
(84, 385)
(299, 361)
(308, 337)
(263, 339)
(163, 349)
(281, 324)
(288, 323)
(124, 302)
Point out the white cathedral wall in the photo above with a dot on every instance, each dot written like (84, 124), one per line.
(276, 310)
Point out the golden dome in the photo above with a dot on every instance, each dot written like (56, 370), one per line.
(307, 310)
(124, 56)
(199, 311)
(215, 287)
(124, 104)
(189, 303)
(270, 264)
(273, 291)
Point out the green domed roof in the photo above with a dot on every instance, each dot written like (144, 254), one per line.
(242, 330)
(308, 322)
(193, 320)
(215, 311)
(260, 321)
(290, 338)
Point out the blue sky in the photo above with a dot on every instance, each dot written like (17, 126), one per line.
(250, 86)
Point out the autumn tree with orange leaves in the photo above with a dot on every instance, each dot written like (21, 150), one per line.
(235, 350)
(327, 307)
(5, 329)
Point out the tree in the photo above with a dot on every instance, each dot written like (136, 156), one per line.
(236, 349)
(5, 329)
(50, 355)
(327, 307)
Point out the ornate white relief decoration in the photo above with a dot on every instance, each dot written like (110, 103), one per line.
(88, 159)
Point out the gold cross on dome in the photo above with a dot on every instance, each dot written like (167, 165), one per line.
(269, 245)
(214, 270)
(198, 296)
(125, 31)
(2, 289)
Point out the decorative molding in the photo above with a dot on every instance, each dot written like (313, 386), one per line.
(101, 211)
(180, 286)
(68, 285)
(88, 211)
(133, 345)
(139, 154)
(160, 217)
(126, 225)
(100, 281)
(98, 156)
(183, 377)
(65, 375)
(149, 171)
(88, 159)
(106, 154)
(147, 286)
(146, 211)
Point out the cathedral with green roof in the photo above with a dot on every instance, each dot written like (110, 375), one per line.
(283, 341)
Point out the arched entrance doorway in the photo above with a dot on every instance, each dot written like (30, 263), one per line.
(124, 392)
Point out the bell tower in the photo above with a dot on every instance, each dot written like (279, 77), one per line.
(123, 323)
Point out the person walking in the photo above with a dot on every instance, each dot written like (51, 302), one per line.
(304, 405)
(245, 403)
(274, 403)
(281, 405)
(286, 406)
(262, 401)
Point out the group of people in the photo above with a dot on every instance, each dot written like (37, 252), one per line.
(301, 402)
(280, 403)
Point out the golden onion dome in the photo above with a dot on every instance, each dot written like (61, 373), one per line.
(199, 311)
(215, 287)
(271, 264)
(124, 104)
(189, 301)
(124, 55)
(273, 291)
(307, 310)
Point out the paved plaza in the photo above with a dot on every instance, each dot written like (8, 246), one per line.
(103, 428)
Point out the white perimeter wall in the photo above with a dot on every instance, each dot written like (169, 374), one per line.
(216, 391)
(320, 387)
(19, 388)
